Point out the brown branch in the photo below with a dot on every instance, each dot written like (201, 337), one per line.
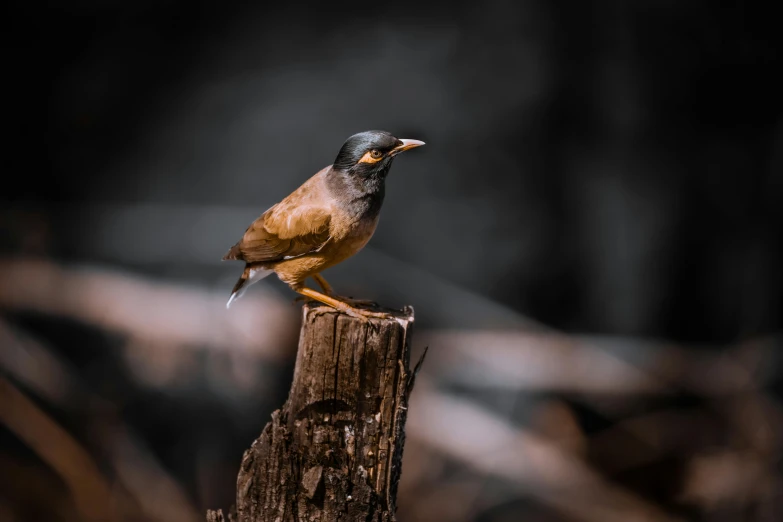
(56, 447)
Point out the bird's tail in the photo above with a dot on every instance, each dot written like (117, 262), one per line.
(249, 276)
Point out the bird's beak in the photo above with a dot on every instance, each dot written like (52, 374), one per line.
(405, 145)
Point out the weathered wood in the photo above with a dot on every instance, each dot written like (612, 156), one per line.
(334, 451)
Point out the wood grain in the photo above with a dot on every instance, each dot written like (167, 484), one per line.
(334, 450)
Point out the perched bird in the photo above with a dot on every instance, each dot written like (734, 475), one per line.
(325, 221)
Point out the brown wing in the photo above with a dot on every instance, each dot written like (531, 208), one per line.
(296, 226)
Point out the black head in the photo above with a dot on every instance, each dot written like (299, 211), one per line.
(369, 154)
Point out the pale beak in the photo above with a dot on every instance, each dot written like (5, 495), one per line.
(405, 145)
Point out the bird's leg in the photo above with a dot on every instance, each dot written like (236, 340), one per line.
(326, 287)
(338, 304)
(328, 290)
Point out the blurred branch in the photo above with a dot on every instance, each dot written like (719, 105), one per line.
(57, 448)
(468, 433)
(159, 496)
(452, 500)
(646, 438)
(155, 312)
(528, 361)
(157, 493)
(518, 360)
(25, 483)
(37, 368)
(757, 422)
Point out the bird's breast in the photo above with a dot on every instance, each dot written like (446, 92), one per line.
(351, 235)
(358, 229)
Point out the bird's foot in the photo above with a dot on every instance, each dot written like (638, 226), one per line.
(365, 315)
(373, 315)
(348, 300)
(356, 302)
(357, 313)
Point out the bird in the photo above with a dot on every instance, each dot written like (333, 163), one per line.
(328, 219)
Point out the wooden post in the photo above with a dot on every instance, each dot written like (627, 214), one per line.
(334, 450)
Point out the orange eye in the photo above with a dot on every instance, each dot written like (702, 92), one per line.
(376, 154)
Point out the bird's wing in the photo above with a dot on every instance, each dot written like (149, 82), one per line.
(296, 226)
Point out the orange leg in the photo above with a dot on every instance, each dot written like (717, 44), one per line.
(338, 304)
(327, 288)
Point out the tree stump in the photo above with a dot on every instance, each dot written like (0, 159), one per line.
(334, 451)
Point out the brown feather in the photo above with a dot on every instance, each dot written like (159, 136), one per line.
(296, 226)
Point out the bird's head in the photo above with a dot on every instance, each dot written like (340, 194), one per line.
(369, 154)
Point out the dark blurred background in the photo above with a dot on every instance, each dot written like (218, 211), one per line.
(591, 240)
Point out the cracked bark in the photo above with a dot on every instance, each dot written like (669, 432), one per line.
(334, 451)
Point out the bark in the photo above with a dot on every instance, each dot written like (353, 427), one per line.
(334, 451)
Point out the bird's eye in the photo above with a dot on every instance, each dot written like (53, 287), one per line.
(376, 153)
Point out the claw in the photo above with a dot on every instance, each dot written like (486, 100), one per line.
(358, 302)
(322, 311)
(365, 315)
(360, 317)
(353, 302)
(376, 315)
(345, 305)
